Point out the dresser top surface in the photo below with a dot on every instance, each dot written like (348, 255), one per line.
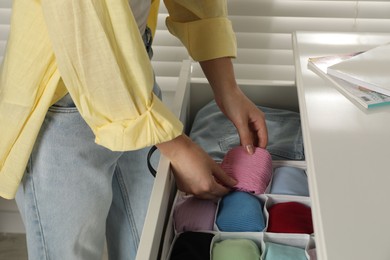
(347, 152)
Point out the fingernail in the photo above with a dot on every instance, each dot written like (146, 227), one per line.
(250, 149)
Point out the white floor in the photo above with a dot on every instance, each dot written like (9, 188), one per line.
(13, 247)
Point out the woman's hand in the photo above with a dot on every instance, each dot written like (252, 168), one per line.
(194, 170)
(247, 118)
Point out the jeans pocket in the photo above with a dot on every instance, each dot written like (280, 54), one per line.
(216, 134)
(228, 142)
(285, 137)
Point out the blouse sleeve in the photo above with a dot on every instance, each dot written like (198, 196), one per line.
(203, 27)
(102, 60)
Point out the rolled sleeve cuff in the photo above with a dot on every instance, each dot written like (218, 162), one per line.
(206, 39)
(156, 125)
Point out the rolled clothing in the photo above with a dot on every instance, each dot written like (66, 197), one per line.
(235, 249)
(252, 172)
(240, 212)
(192, 246)
(274, 251)
(289, 180)
(290, 217)
(192, 214)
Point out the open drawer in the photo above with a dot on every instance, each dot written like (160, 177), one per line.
(192, 95)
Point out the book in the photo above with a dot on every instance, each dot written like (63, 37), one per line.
(369, 69)
(357, 94)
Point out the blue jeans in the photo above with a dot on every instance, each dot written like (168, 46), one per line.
(76, 193)
(216, 134)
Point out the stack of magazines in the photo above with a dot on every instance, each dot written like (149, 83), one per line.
(361, 76)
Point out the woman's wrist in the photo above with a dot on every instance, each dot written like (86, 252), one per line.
(174, 146)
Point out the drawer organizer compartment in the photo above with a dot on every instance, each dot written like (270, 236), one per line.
(256, 210)
(274, 226)
(213, 245)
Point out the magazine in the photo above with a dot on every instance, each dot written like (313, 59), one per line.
(363, 96)
(369, 69)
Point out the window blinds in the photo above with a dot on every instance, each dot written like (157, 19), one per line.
(5, 15)
(263, 29)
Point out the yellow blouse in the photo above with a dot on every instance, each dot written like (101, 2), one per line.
(93, 50)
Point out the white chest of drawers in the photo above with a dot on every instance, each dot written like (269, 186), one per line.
(347, 154)
(346, 148)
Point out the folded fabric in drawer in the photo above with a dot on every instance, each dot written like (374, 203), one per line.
(240, 212)
(289, 180)
(252, 172)
(274, 251)
(233, 249)
(192, 214)
(290, 217)
(217, 135)
(192, 246)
